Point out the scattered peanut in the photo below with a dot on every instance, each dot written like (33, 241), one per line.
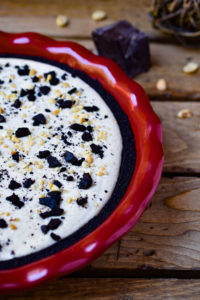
(62, 21)
(99, 15)
(184, 113)
(161, 85)
(190, 67)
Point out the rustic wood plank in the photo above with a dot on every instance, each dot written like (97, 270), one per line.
(167, 235)
(114, 289)
(40, 15)
(180, 136)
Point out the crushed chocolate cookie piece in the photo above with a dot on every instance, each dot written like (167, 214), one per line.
(44, 229)
(53, 162)
(86, 136)
(15, 156)
(52, 213)
(85, 182)
(70, 178)
(44, 90)
(35, 79)
(54, 80)
(13, 185)
(28, 182)
(3, 224)
(57, 183)
(97, 149)
(64, 103)
(52, 200)
(39, 119)
(2, 119)
(14, 199)
(91, 108)
(43, 154)
(70, 158)
(48, 201)
(23, 93)
(24, 71)
(17, 103)
(55, 237)
(22, 132)
(89, 128)
(63, 169)
(54, 224)
(70, 92)
(78, 127)
(82, 201)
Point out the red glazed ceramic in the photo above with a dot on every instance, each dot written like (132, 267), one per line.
(148, 135)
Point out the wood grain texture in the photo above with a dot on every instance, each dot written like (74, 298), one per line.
(114, 289)
(32, 15)
(166, 237)
(180, 136)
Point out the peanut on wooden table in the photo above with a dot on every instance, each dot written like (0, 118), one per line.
(160, 257)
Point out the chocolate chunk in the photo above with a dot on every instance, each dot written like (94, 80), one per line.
(97, 149)
(85, 181)
(13, 185)
(17, 103)
(78, 127)
(54, 212)
(55, 237)
(45, 89)
(15, 156)
(54, 224)
(3, 223)
(28, 182)
(39, 119)
(82, 201)
(22, 132)
(72, 91)
(86, 136)
(64, 103)
(43, 154)
(70, 158)
(14, 199)
(53, 162)
(57, 183)
(124, 44)
(2, 119)
(91, 108)
(23, 71)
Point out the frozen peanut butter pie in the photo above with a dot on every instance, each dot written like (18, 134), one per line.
(64, 156)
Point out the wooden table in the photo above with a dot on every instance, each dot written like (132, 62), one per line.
(160, 257)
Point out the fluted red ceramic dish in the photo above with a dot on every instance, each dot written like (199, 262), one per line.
(148, 136)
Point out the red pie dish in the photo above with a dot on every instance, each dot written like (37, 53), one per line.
(140, 167)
